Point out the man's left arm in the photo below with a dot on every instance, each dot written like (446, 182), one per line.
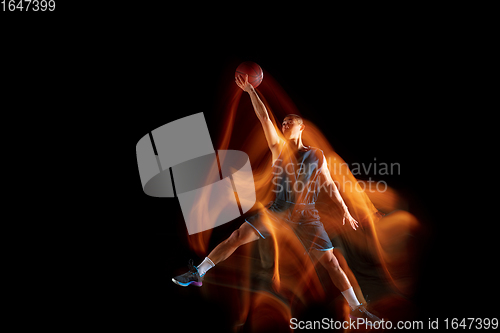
(334, 193)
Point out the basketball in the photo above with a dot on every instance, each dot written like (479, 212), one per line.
(254, 72)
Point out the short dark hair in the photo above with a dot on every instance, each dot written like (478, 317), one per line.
(296, 116)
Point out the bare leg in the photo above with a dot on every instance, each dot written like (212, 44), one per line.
(339, 278)
(350, 276)
(194, 276)
(337, 274)
(245, 234)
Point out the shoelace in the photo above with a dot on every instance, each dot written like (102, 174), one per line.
(192, 268)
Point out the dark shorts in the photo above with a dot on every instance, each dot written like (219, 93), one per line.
(302, 219)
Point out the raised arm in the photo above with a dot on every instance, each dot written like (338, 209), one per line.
(334, 193)
(273, 140)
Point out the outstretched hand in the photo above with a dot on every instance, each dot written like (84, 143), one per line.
(352, 221)
(242, 82)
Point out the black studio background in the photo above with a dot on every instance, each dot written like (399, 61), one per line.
(122, 76)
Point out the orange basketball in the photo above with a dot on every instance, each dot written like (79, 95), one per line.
(254, 72)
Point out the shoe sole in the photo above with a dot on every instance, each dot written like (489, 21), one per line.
(194, 283)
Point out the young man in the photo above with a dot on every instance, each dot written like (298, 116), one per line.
(300, 174)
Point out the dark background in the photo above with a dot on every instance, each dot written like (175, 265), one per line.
(99, 83)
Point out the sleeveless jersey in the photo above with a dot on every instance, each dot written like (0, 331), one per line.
(297, 174)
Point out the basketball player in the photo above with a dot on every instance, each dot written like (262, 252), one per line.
(291, 209)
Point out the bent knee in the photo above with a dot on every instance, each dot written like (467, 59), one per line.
(330, 263)
(333, 265)
(235, 237)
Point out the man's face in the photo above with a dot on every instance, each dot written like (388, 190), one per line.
(291, 128)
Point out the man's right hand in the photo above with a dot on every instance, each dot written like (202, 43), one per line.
(242, 82)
